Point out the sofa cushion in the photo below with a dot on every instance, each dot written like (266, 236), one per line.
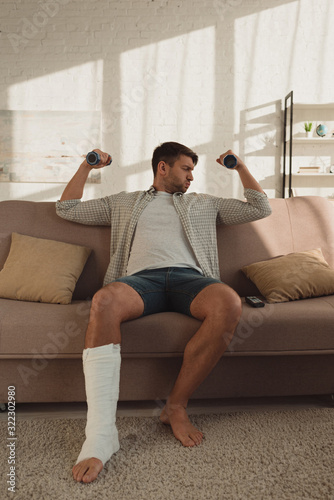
(31, 328)
(41, 270)
(294, 276)
(295, 327)
(303, 326)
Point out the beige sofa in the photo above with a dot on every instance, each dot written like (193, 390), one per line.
(281, 349)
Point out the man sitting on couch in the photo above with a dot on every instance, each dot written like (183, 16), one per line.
(163, 258)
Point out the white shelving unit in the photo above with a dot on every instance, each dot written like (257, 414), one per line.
(308, 152)
(318, 141)
(320, 174)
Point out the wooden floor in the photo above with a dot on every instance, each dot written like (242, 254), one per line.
(26, 411)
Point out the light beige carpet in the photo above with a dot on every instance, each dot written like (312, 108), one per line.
(280, 455)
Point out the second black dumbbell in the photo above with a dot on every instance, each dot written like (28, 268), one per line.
(94, 158)
(230, 161)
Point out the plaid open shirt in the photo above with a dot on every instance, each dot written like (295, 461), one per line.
(199, 214)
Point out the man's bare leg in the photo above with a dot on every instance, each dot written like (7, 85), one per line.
(219, 307)
(111, 305)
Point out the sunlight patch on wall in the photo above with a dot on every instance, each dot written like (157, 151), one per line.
(289, 46)
(167, 94)
(46, 146)
(51, 122)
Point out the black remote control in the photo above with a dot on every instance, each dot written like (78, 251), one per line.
(254, 301)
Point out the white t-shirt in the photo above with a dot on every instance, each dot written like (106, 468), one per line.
(160, 240)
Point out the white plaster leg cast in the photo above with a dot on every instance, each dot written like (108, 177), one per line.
(101, 367)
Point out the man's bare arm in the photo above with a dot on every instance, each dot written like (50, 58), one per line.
(74, 189)
(248, 181)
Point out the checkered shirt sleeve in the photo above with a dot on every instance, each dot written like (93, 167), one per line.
(92, 212)
(233, 211)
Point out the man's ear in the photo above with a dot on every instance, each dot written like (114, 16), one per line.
(162, 168)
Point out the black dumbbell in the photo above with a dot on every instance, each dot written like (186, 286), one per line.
(230, 161)
(94, 158)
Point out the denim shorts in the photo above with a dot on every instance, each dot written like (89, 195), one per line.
(168, 288)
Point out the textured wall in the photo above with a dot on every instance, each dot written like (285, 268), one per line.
(208, 73)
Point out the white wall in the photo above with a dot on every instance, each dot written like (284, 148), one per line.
(207, 73)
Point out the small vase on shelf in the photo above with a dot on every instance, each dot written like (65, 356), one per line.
(308, 129)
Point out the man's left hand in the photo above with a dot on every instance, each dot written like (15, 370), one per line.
(239, 164)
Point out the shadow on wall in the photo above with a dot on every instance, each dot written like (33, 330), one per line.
(261, 137)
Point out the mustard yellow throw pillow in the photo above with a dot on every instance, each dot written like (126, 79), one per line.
(294, 276)
(41, 270)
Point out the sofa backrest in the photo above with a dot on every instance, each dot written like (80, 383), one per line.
(296, 224)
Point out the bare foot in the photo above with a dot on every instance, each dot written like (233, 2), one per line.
(176, 416)
(87, 470)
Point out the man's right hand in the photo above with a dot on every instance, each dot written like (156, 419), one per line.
(74, 189)
(105, 159)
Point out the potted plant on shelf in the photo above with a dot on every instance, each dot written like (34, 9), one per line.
(308, 128)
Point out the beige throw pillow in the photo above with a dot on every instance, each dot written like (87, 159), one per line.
(294, 276)
(41, 270)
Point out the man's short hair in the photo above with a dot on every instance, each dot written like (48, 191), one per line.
(170, 152)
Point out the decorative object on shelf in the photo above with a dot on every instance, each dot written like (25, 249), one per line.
(331, 170)
(308, 129)
(322, 130)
